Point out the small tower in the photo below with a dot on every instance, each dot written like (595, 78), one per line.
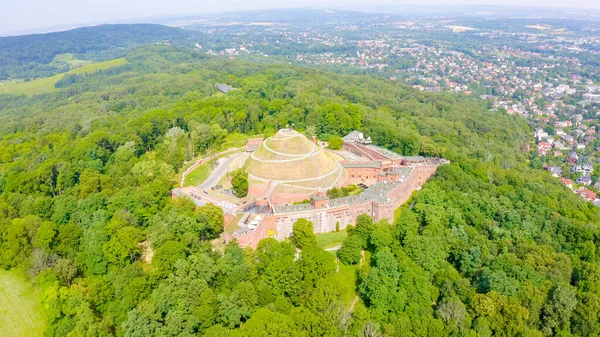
(319, 200)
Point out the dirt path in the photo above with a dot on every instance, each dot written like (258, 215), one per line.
(3, 87)
(353, 303)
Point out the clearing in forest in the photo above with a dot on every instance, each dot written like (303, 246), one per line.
(71, 60)
(21, 312)
(331, 240)
(46, 84)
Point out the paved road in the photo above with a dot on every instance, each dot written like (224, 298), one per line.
(218, 173)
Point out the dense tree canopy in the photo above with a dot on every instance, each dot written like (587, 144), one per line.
(303, 234)
(32, 56)
(488, 247)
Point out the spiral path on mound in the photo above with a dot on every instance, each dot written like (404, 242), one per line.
(289, 158)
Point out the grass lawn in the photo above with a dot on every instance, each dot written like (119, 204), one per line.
(197, 176)
(236, 140)
(46, 84)
(21, 312)
(346, 278)
(330, 240)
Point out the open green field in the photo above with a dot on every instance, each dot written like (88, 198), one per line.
(330, 240)
(93, 67)
(46, 84)
(71, 60)
(20, 308)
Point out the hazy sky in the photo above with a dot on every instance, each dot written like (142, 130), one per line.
(20, 15)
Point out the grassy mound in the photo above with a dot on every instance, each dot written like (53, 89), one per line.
(290, 145)
(312, 167)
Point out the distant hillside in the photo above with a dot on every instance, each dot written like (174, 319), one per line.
(48, 84)
(32, 56)
(292, 17)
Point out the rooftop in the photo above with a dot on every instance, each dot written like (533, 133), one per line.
(366, 164)
(385, 152)
(224, 88)
(377, 193)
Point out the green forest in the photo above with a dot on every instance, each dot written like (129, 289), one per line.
(488, 247)
(34, 56)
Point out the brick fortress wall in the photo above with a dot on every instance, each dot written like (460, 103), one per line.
(325, 219)
(377, 168)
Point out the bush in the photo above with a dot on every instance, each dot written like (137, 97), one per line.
(239, 181)
(335, 142)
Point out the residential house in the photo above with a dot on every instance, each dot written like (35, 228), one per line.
(585, 180)
(585, 169)
(567, 182)
(556, 171)
(560, 146)
(573, 158)
(543, 148)
(586, 194)
(540, 134)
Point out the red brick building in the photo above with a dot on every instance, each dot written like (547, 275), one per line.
(392, 179)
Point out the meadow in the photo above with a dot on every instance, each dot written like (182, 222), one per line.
(21, 313)
(46, 84)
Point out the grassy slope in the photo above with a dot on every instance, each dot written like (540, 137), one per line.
(347, 274)
(70, 60)
(330, 240)
(46, 84)
(346, 278)
(197, 176)
(236, 140)
(20, 308)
